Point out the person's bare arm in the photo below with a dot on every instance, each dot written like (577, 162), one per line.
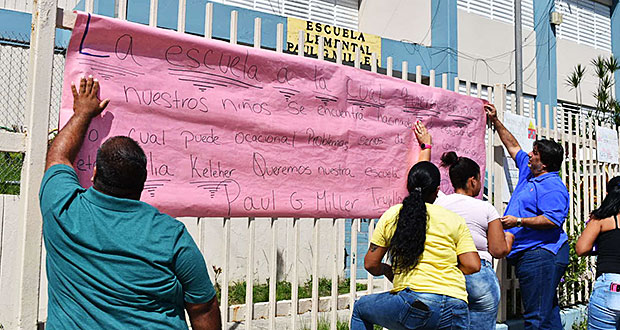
(498, 247)
(469, 262)
(86, 105)
(588, 237)
(509, 141)
(373, 264)
(537, 222)
(423, 136)
(204, 316)
(510, 238)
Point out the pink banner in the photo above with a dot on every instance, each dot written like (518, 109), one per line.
(237, 131)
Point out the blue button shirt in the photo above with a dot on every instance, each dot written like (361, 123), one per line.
(115, 263)
(533, 196)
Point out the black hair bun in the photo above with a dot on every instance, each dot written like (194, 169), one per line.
(449, 158)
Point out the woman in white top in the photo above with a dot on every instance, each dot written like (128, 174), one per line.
(485, 226)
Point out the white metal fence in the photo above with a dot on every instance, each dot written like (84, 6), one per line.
(311, 249)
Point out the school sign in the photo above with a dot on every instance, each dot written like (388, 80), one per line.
(351, 41)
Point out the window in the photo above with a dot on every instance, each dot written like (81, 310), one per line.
(510, 97)
(501, 10)
(586, 22)
(567, 110)
(342, 13)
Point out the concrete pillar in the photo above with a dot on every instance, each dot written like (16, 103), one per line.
(615, 38)
(546, 58)
(444, 36)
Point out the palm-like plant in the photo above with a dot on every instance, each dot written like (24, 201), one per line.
(573, 81)
(607, 108)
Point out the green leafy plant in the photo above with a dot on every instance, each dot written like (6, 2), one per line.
(577, 273)
(582, 323)
(260, 292)
(607, 108)
(325, 324)
(10, 172)
(573, 81)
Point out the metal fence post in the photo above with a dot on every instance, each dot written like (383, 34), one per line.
(496, 172)
(37, 120)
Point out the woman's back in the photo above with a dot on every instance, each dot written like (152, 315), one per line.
(602, 233)
(477, 215)
(608, 246)
(437, 270)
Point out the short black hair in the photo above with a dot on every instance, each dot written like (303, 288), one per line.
(551, 154)
(121, 167)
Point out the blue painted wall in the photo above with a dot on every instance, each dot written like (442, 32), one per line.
(441, 55)
(546, 57)
(444, 29)
(362, 248)
(101, 7)
(167, 12)
(615, 38)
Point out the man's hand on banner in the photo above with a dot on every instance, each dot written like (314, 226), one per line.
(87, 102)
(491, 111)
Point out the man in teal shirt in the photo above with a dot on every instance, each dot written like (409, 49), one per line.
(114, 262)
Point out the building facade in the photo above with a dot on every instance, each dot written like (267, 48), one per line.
(469, 39)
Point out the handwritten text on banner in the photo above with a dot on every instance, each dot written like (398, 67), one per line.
(236, 131)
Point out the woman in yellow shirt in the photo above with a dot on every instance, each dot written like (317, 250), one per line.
(430, 250)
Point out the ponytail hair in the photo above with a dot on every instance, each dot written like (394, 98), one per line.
(460, 169)
(410, 235)
(611, 204)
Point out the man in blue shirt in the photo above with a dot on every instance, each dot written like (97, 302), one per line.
(114, 262)
(535, 214)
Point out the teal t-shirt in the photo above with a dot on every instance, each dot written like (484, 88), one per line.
(115, 263)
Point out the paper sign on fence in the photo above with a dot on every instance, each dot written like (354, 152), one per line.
(236, 131)
(524, 130)
(606, 145)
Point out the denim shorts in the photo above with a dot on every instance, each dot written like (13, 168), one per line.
(604, 306)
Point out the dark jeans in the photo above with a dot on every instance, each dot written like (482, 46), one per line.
(408, 309)
(539, 272)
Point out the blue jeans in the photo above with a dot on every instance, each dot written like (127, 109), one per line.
(604, 307)
(408, 309)
(483, 296)
(539, 272)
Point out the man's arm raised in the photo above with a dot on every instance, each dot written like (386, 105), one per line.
(86, 106)
(507, 138)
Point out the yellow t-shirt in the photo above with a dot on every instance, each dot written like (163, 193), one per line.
(447, 236)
